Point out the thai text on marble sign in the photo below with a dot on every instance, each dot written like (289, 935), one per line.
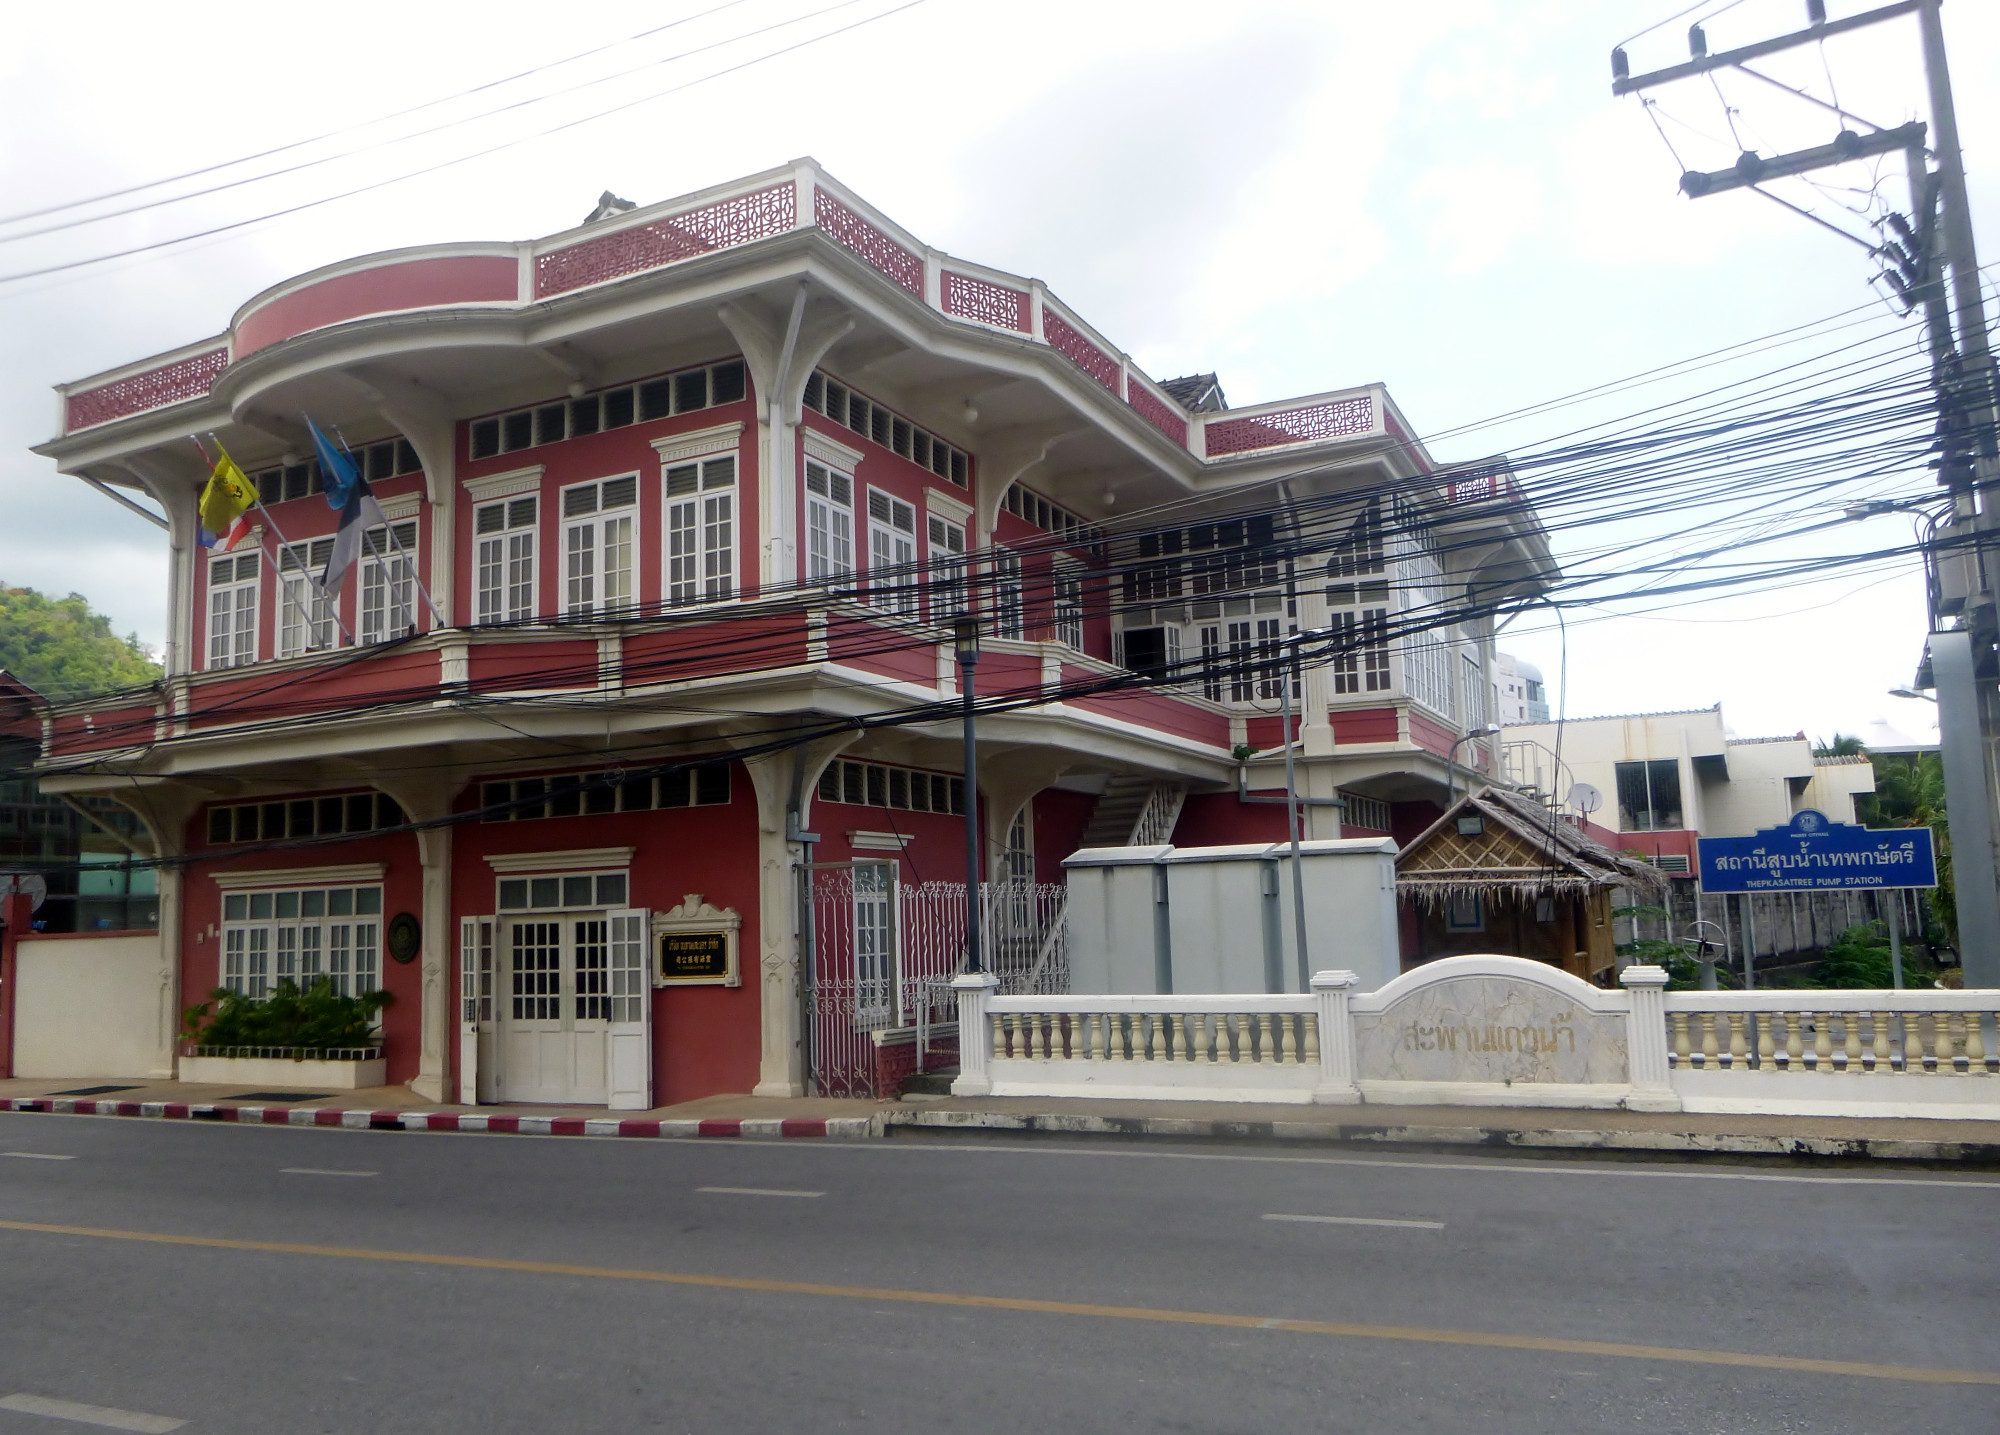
(1492, 1036)
(694, 954)
(1811, 853)
(1490, 1029)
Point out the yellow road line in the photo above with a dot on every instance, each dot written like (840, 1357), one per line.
(1493, 1340)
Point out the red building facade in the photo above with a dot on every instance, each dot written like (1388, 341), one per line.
(627, 758)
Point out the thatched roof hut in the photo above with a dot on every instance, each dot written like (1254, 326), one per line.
(1499, 872)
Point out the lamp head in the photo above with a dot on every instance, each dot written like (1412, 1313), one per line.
(965, 638)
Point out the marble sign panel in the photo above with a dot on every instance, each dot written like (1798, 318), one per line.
(1490, 1029)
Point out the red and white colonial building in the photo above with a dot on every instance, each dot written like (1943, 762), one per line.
(669, 480)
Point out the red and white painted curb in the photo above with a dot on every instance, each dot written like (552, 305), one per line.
(506, 1124)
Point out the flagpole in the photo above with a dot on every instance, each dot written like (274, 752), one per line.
(305, 567)
(332, 604)
(416, 577)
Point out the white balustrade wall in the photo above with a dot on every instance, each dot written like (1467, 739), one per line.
(1498, 1031)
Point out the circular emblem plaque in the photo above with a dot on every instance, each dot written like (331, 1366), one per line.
(406, 935)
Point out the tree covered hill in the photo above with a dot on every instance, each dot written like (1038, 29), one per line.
(63, 649)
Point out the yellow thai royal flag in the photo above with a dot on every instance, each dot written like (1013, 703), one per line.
(225, 503)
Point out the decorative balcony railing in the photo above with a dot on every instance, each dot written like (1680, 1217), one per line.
(761, 207)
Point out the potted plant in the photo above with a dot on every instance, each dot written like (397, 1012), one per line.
(312, 1036)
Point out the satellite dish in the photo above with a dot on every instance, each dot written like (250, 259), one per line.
(1585, 798)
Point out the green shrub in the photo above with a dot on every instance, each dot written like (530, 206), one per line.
(1858, 957)
(316, 1019)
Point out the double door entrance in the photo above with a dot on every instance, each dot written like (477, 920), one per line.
(568, 1020)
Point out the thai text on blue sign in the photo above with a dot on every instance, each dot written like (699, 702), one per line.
(1813, 854)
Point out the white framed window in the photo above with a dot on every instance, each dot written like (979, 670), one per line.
(1478, 698)
(389, 582)
(505, 536)
(1427, 671)
(1008, 616)
(892, 553)
(701, 531)
(301, 936)
(305, 617)
(1067, 612)
(829, 524)
(946, 567)
(232, 609)
(598, 521)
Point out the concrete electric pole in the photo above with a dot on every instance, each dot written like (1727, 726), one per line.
(1962, 657)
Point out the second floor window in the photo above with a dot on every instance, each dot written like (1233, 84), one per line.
(232, 610)
(388, 582)
(1007, 614)
(892, 553)
(505, 537)
(1068, 605)
(947, 568)
(1649, 795)
(829, 524)
(598, 521)
(305, 617)
(701, 528)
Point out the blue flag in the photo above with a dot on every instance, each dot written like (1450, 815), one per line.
(336, 469)
(349, 493)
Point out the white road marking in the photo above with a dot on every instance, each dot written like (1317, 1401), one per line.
(35, 1156)
(1362, 1221)
(750, 1191)
(320, 1171)
(102, 1416)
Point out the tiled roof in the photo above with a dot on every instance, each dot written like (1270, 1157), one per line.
(1746, 741)
(1607, 717)
(1197, 393)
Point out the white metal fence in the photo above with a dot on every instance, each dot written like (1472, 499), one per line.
(881, 955)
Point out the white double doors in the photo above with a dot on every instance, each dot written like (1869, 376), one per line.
(573, 1010)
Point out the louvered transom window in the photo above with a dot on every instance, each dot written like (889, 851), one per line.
(305, 616)
(388, 582)
(388, 458)
(598, 524)
(888, 430)
(232, 610)
(874, 784)
(658, 398)
(701, 531)
(591, 794)
(505, 536)
(894, 581)
(1031, 507)
(829, 524)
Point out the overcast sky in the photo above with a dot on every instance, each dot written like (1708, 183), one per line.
(1442, 196)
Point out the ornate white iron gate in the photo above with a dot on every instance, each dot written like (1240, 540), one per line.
(880, 954)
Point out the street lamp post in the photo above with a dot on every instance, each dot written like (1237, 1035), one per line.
(965, 636)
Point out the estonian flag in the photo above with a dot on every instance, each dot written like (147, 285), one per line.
(348, 492)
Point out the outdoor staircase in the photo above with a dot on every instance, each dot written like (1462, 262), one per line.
(1135, 811)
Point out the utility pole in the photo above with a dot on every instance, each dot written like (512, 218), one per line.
(1962, 657)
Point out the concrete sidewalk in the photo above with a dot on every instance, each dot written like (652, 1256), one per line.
(1504, 1127)
(1543, 1129)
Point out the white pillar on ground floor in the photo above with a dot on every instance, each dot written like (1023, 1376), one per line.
(433, 1078)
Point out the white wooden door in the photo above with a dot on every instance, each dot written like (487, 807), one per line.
(588, 969)
(534, 1045)
(628, 1074)
(477, 1067)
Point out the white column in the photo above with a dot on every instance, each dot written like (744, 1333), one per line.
(440, 940)
(1646, 1040)
(1336, 1040)
(974, 990)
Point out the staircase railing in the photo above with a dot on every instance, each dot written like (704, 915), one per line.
(1158, 816)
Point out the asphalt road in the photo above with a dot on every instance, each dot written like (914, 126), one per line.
(383, 1282)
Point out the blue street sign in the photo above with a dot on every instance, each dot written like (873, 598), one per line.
(1813, 854)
